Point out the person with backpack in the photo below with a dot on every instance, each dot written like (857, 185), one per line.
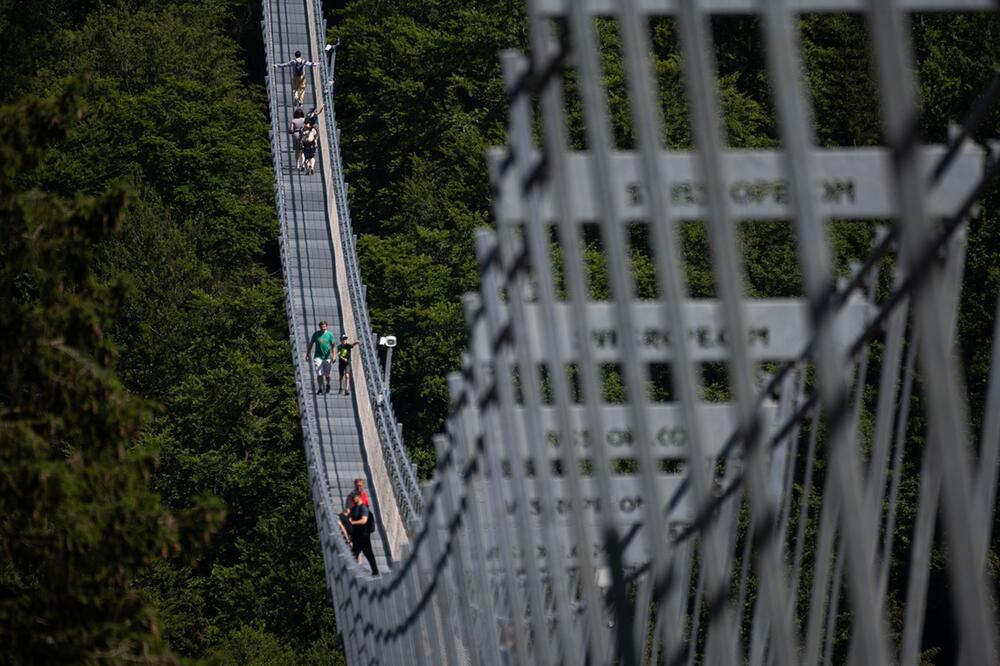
(362, 526)
(298, 65)
(309, 141)
(295, 129)
(344, 518)
(313, 115)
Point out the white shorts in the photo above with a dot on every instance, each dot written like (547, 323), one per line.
(323, 366)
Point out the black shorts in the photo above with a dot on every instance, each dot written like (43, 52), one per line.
(343, 366)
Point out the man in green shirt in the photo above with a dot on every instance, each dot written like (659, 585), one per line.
(323, 360)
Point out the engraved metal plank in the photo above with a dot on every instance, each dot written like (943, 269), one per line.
(777, 329)
(659, 7)
(717, 424)
(626, 504)
(634, 550)
(851, 185)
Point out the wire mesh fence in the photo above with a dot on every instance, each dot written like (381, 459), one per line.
(634, 475)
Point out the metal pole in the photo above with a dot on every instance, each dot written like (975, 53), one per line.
(388, 369)
(332, 52)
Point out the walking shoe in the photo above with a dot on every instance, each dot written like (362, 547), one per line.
(347, 393)
(327, 388)
(320, 391)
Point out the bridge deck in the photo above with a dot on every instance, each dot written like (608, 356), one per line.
(310, 260)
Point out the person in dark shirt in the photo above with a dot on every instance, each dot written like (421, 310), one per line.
(345, 515)
(309, 141)
(313, 116)
(362, 523)
(344, 363)
(296, 128)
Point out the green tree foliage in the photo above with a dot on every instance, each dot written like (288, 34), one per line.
(420, 99)
(80, 520)
(201, 331)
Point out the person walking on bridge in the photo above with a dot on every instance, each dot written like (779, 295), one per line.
(310, 139)
(344, 363)
(344, 519)
(323, 360)
(362, 526)
(298, 65)
(359, 489)
(296, 128)
(313, 116)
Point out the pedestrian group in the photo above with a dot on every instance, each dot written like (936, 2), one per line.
(356, 521)
(303, 128)
(357, 524)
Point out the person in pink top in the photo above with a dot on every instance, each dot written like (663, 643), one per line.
(359, 489)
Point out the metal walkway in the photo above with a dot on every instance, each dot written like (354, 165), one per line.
(339, 429)
(564, 527)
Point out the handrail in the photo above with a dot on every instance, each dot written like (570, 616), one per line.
(406, 488)
(357, 600)
(322, 500)
(509, 563)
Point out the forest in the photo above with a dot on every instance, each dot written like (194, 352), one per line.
(153, 491)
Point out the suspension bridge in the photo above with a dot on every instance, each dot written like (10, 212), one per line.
(564, 527)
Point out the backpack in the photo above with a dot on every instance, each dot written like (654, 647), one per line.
(300, 66)
(370, 525)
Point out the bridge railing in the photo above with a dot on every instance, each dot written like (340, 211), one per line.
(323, 501)
(364, 607)
(401, 470)
(522, 554)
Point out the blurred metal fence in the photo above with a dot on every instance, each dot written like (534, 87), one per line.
(593, 503)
